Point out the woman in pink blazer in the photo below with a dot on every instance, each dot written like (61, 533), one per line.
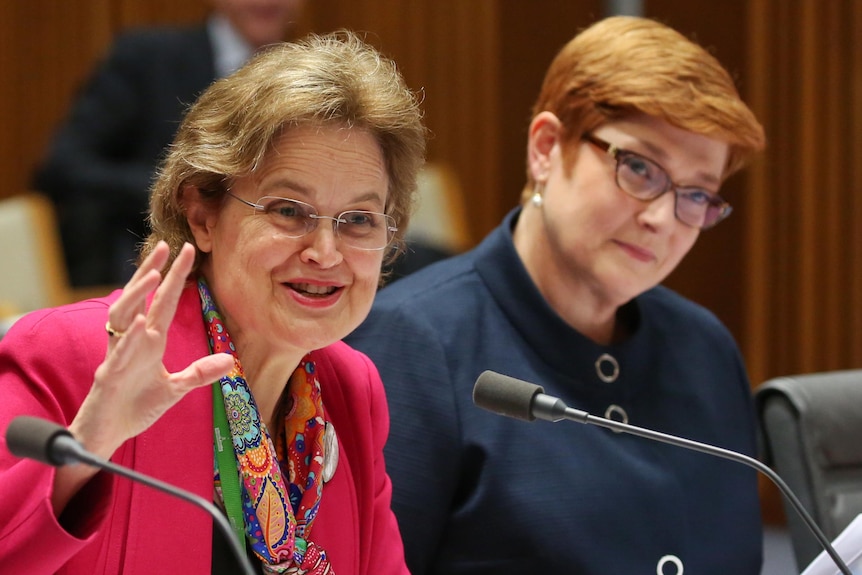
(287, 185)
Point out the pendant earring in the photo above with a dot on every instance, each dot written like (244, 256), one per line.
(537, 199)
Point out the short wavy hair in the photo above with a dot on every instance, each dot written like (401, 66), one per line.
(332, 79)
(625, 65)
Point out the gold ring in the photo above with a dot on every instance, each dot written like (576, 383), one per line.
(113, 332)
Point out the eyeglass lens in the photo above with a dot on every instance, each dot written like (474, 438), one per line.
(644, 179)
(356, 228)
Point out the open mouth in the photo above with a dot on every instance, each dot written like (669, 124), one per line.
(311, 290)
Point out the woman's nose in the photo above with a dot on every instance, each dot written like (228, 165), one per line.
(323, 243)
(660, 211)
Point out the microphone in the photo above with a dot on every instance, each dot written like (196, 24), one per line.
(519, 399)
(47, 442)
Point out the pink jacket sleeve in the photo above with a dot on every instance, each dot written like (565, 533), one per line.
(45, 371)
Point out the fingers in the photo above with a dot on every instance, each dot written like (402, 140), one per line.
(126, 349)
(146, 280)
(133, 299)
(132, 388)
(166, 297)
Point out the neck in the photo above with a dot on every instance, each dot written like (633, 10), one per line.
(583, 306)
(267, 370)
(267, 378)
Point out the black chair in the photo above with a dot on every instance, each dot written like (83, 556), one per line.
(812, 432)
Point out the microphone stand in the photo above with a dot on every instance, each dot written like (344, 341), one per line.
(554, 409)
(86, 457)
(50, 443)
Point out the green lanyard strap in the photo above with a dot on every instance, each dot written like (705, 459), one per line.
(227, 466)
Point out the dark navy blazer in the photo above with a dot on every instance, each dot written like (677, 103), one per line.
(478, 493)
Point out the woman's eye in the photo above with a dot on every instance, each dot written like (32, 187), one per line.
(358, 218)
(287, 211)
(284, 209)
(700, 197)
(640, 167)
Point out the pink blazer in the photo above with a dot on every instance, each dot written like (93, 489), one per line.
(47, 361)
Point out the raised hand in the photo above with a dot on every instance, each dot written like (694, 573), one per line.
(132, 388)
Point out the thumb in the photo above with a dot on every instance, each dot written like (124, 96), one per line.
(204, 371)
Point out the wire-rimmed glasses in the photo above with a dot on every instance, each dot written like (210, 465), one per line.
(358, 229)
(645, 180)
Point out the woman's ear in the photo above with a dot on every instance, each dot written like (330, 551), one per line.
(542, 137)
(200, 217)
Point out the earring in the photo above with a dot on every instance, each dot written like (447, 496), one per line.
(538, 190)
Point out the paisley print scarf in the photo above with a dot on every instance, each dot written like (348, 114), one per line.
(281, 482)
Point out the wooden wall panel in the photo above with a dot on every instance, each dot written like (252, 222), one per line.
(127, 13)
(803, 275)
(804, 266)
(45, 48)
(853, 119)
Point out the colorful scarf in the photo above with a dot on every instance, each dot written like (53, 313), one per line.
(278, 511)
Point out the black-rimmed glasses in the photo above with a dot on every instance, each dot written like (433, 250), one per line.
(645, 180)
(356, 228)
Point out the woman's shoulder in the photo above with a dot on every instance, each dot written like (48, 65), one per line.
(83, 318)
(351, 386)
(676, 306)
(53, 353)
(682, 318)
(347, 372)
(434, 282)
(163, 38)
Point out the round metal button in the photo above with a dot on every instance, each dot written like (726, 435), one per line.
(616, 413)
(607, 368)
(669, 560)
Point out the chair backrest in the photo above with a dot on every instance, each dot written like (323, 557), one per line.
(812, 431)
(32, 270)
(440, 219)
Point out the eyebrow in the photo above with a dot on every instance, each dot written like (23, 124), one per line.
(307, 193)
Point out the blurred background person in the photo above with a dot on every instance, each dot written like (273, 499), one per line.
(633, 133)
(286, 188)
(102, 160)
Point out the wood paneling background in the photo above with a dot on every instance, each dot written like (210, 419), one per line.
(804, 242)
(784, 272)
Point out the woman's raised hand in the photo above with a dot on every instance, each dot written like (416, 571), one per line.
(132, 388)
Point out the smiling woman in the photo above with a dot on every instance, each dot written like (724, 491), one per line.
(234, 316)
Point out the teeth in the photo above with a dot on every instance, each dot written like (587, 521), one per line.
(314, 289)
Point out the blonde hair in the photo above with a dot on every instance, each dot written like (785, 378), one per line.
(624, 65)
(333, 79)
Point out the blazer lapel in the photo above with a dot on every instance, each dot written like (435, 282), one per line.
(177, 449)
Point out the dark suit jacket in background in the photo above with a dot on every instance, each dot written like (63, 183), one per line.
(103, 157)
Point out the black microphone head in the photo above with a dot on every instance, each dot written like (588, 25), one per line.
(506, 395)
(34, 438)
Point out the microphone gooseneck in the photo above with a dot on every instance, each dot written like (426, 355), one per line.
(48, 442)
(520, 399)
